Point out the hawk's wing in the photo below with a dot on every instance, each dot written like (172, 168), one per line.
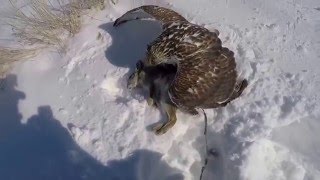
(160, 14)
(206, 73)
(180, 40)
(204, 80)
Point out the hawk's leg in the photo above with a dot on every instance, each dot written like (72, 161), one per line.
(162, 128)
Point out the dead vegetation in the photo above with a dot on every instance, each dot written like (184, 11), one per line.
(43, 23)
(10, 55)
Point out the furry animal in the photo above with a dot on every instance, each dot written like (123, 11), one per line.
(206, 76)
(156, 80)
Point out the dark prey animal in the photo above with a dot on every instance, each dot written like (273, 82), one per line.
(156, 80)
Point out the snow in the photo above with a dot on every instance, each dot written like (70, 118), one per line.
(70, 116)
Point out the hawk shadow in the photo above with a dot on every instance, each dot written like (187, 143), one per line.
(129, 45)
(129, 41)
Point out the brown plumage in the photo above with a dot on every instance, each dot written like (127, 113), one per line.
(206, 75)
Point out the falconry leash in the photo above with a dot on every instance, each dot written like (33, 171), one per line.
(206, 141)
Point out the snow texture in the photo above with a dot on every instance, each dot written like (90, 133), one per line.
(71, 117)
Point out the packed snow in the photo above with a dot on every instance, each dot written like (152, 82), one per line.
(70, 116)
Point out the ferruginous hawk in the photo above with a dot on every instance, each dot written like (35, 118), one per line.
(206, 75)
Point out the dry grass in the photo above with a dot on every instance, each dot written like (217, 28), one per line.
(44, 23)
(88, 4)
(10, 55)
(40, 22)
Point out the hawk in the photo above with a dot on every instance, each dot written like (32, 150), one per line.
(206, 74)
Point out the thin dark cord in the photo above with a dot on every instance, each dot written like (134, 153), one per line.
(206, 140)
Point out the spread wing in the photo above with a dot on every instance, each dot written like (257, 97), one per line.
(160, 14)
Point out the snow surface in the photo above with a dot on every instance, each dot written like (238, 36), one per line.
(71, 117)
